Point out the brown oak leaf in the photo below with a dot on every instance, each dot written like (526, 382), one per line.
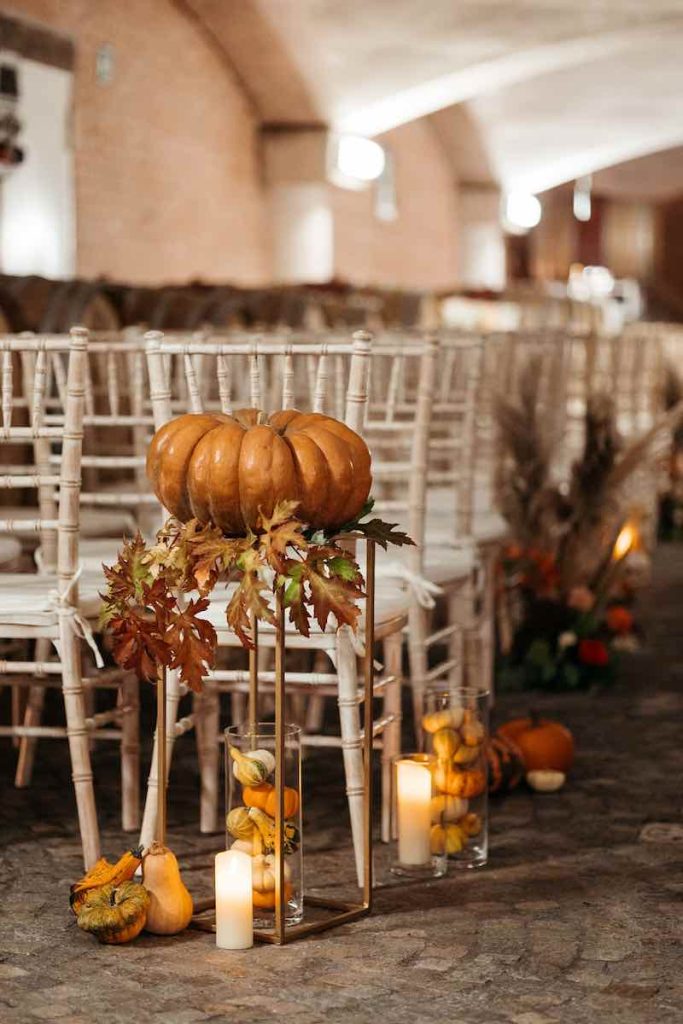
(192, 641)
(332, 595)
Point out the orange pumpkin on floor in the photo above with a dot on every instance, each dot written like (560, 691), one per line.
(544, 744)
(227, 470)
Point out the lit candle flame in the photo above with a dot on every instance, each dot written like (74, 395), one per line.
(624, 542)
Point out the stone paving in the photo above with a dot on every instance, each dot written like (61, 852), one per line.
(577, 919)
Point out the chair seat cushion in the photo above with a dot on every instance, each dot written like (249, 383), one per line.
(441, 563)
(29, 599)
(10, 552)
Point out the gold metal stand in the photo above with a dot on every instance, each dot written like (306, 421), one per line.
(161, 756)
(341, 911)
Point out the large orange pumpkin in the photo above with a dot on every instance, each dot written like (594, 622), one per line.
(543, 743)
(227, 470)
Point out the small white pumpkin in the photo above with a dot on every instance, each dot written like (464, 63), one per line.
(546, 780)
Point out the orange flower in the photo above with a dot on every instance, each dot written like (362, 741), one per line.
(619, 619)
(581, 598)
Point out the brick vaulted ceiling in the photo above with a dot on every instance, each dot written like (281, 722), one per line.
(552, 88)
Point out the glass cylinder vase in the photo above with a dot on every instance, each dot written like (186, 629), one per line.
(414, 789)
(251, 801)
(455, 726)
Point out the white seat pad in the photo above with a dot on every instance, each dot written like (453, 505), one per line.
(26, 598)
(441, 563)
(10, 551)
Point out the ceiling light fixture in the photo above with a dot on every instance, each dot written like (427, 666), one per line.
(358, 160)
(521, 212)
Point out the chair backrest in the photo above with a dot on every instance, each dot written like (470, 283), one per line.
(56, 518)
(397, 429)
(270, 373)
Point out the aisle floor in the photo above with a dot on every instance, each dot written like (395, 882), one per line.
(577, 919)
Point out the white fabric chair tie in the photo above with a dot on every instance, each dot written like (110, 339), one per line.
(63, 605)
(424, 590)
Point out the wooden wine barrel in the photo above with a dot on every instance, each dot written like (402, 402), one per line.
(47, 306)
(11, 320)
(172, 308)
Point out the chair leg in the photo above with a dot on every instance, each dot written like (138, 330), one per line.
(349, 721)
(487, 630)
(149, 816)
(391, 741)
(456, 640)
(130, 753)
(238, 708)
(207, 725)
(18, 711)
(33, 714)
(81, 771)
(315, 710)
(417, 653)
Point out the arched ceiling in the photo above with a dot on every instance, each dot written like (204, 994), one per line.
(553, 88)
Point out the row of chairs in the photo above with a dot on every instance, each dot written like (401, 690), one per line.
(77, 415)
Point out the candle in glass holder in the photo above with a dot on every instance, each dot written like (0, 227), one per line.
(234, 900)
(414, 794)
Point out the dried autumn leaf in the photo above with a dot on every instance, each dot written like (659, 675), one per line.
(275, 543)
(248, 599)
(137, 646)
(345, 568)
(129, 572)
(294, 596)
(209, 553)
(384, 533)
(333, 596)
(192, 641)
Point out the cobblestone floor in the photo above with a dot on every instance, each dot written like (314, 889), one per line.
(578, 917)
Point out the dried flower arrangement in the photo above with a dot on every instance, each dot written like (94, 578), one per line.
(563, 597)
(671, 501)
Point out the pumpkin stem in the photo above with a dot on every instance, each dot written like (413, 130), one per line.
(534, 718)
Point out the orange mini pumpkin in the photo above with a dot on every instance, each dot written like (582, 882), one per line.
(227, 470)
(543, 743)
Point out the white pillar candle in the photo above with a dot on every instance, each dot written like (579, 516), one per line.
(414, 794)
(234, 901)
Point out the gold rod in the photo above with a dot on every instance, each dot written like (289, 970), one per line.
(280, 768)
(253, 681)
(369, 667)
(161, 755)
(300, 931)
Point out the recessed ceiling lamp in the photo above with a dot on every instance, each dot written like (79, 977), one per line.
(582, 198)
(356, 161)
(521, 212)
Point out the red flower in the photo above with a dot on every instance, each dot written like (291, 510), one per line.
(593, 652)
(619, 619)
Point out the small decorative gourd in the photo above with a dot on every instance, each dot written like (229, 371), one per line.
(447, 808)
(170, 904)
(239, 824)
(445, 743)
(546, 780)
(449, 718)
(114, 914)
(253, 768)
(104, 873)
(266, 827)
